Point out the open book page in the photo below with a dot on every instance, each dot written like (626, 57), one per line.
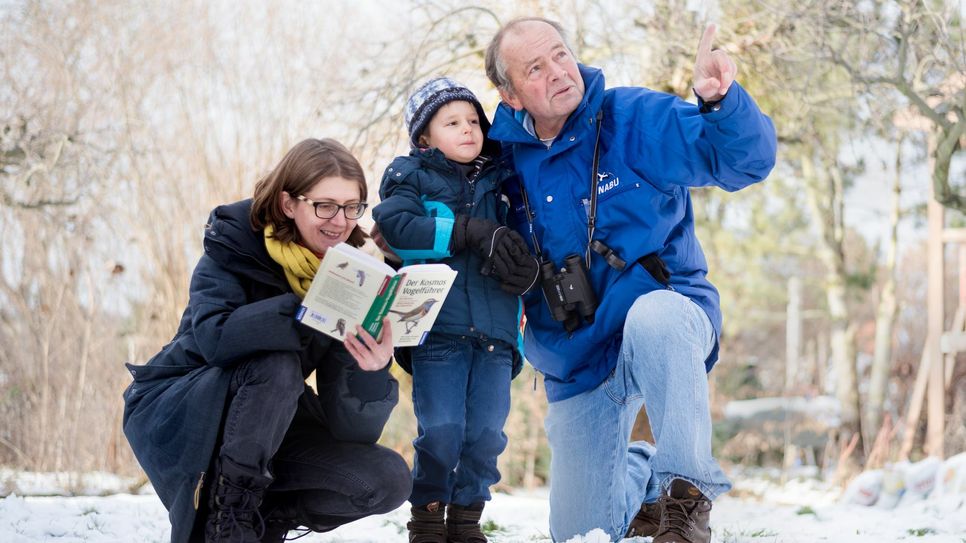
(343, 291)
(352, 287)
(418, 301)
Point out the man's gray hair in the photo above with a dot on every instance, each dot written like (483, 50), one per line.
(496, 67)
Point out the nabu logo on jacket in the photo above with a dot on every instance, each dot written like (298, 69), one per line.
(606, 181)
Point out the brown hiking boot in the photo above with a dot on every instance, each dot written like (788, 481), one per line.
(646, 522)
(686, 515)
(426, 524)
(463, 523)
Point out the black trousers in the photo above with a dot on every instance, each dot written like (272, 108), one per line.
(275, 427)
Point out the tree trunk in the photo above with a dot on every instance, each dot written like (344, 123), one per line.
(843, 355)
(825, 189)
(885, 316)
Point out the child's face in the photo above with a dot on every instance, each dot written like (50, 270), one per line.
(455, 130)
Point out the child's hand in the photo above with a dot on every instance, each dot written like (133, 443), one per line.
(504, 252)
(479, 235)
(516, 268)
(383, 245)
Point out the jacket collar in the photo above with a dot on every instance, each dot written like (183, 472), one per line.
(435, 159)
(508, 124)
(432, 158)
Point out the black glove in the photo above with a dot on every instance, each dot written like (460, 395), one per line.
(513, 264)
(504, 252)
(479, 235)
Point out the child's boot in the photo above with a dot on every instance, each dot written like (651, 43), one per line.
(426, 524)
(463, 523)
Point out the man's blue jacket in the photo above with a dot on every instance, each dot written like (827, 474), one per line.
(653, 148)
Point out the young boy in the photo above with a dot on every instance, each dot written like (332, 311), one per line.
(442, 203)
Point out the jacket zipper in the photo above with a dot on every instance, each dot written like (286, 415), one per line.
(197, 496)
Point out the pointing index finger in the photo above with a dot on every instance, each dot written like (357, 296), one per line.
(704, 47)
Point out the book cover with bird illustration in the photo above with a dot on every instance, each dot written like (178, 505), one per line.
(352, 287)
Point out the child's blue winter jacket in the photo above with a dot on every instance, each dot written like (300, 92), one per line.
(421, 195)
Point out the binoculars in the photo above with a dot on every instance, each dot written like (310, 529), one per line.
(569, 295)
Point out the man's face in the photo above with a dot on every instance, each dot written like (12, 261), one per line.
(544, 79)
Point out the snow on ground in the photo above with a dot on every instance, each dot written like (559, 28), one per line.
(759, 511)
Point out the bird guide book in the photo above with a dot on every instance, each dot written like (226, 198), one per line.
(352, 287)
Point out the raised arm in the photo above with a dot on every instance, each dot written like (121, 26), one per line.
(714, 70)
(725, 140)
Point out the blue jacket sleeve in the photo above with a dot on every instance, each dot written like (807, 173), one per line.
(731, 147)
(415, 227)
(227, 328)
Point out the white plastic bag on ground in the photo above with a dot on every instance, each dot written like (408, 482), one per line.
(864, 489)
(951, 478)
(893, 485)
(921, 477)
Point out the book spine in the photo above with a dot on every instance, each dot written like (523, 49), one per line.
(380, 306)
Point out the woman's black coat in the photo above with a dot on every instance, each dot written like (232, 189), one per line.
(240, 307)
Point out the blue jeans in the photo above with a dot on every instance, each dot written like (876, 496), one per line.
(461, 397)
(597, 479)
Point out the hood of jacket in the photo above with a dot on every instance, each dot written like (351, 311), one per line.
(231, 241)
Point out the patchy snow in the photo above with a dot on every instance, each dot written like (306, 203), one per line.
(758, 511)
(96, 483)
(824, 409)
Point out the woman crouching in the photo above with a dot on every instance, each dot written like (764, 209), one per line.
(237, 446)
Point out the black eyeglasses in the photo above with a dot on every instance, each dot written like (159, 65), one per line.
(327, 210)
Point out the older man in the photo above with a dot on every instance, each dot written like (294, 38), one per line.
(629, 317)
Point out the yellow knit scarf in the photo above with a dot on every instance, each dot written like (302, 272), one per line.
(299, 263)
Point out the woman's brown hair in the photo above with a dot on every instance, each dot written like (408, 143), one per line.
(301, 168)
